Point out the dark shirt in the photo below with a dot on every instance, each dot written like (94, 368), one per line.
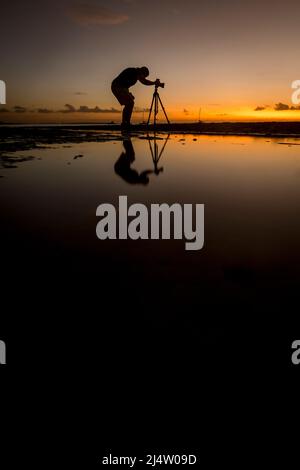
(127, 78)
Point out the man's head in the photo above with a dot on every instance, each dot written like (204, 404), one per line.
(144, 71)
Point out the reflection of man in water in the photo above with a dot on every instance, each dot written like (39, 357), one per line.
(120, 88)
(123, 166)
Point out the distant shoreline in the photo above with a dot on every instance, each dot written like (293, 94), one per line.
(25, 137)
(184, 124)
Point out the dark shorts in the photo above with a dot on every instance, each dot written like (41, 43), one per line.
(122, 94)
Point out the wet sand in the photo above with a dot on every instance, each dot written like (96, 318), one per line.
(14, 138)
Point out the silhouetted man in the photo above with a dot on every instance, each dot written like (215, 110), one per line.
(123, 166)
(120, 88)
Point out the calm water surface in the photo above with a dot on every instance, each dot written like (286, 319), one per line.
(251, 191)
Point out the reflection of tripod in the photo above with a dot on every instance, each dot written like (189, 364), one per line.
(154, 153)
(155, 101)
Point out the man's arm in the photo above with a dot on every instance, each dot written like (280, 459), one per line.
(144, 81)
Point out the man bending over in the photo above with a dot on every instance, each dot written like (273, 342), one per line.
(120, 88)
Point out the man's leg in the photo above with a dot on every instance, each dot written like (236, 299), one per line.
(126, 99)
(127, 112)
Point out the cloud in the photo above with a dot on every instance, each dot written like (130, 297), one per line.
(285, 107)
(19, 109)
(259, 108)
(96, 109)
(86, 109)
(90, 13)
(136, 109)
(69, 108)
(44, 110)
(281, 107)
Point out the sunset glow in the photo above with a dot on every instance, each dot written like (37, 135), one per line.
(227, 59)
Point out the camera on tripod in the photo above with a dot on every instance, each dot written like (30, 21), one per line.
(158, 83)
(155, 103)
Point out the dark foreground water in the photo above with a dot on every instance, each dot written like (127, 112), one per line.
(75, 296)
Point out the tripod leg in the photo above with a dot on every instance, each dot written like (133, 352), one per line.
(152, 154)
(149, 117)
(155, 109)
(163, 148)
(156, 151)
(164, 110)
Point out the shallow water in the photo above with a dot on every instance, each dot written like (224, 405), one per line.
(251, 191)
(250, 186)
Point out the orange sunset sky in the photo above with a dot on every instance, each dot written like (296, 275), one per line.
(236, 60)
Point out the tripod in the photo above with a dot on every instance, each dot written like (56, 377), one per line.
(155, 102)
(154, 152)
